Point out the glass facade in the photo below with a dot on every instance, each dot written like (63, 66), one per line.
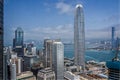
(1, 39)
(113, 38)
(18, 42)
(79, 37)
(113, 70)
(5, 72)
(58, 60)
(48, 53)
(19, 37)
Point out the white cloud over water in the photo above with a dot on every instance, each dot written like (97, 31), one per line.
(60, 31)
(65, 32)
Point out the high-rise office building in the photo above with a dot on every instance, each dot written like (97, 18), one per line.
(113, 70)
(113, 38)
(13, 71)
(114, 65)
(6, 63)
(29, 49)
(34, 51)
(1, 39)
(14, 43)
(5, 72)
(19, 64)
(18, 42)
(58, 60)
(19, 37)
(48, 53)
(28, 62)
(79, 37)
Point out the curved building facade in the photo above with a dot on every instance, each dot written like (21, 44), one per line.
(19, 37)
(18, 41)
(79, 37)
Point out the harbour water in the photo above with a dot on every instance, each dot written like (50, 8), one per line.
(99, 56)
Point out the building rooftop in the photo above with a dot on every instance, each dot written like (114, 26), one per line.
(46, 70)
(72, 67)
(30, 56)
(113, 64)
(71, 76)
(19, 29)
(25, 74)
(79, 5)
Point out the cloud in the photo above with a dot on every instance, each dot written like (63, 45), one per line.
(97, 34)
(60, 31)
(64, 8)
(104, 33)
(113, 18)
(66, 33)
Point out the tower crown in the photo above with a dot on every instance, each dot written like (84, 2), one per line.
(79, 5)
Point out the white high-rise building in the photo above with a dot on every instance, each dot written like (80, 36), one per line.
(13, 71)
(19, 64)
(79, 37)
(58, 60)
(34, 51)
(48, 52)
(13, 55)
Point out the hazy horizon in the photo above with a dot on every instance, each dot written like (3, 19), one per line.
(53, 19)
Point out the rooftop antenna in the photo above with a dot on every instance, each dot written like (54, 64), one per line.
(117, 50)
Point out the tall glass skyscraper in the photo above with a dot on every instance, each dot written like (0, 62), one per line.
(18, 37)
(79, 37)
(58, 60)
(18, 41)
(114, 65)
(113, 38)
(113, 70)
(1, 39)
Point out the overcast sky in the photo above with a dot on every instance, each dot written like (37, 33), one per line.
(42, 19)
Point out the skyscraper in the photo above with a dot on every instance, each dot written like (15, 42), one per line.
(114, 65)
(58, 60)
(113, 70)
(19, 64)
(18, 41)
(13, 71)
(113, 38)
(1, 39)
(48, 52)
(79, 37)
(19, 37)
(5, 63)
